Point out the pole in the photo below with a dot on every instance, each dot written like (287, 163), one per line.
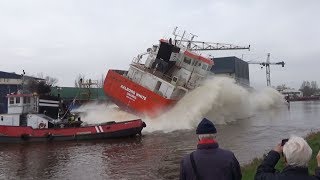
(268, 70)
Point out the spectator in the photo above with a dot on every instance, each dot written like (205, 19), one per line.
(297, 154)
(209, 161)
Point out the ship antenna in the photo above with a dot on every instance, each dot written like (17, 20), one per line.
(184, 32)
(191, 39)
(174, 33)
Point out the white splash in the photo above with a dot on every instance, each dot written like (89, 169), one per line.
(94, 113)
(219, 99)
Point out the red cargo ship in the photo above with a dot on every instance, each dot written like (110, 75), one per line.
(171, 69)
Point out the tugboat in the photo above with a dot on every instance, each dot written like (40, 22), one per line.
(31, 118)
(171, 69)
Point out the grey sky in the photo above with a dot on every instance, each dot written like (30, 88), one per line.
(63, 38)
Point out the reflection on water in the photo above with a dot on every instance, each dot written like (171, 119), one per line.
(155, 155)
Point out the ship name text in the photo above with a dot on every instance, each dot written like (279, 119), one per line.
(133, 94)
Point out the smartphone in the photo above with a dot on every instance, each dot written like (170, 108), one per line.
(283, 142)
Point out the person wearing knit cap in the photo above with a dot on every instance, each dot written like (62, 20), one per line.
(209, 161)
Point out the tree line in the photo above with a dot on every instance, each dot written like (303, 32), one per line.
(38, 84)
(309, 88)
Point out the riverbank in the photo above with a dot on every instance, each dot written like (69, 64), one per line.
(313, 139)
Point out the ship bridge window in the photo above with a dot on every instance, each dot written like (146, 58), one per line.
(26, 100)
(187, 60)
(196, 63)
(11, 100)
(175, 78)
(18, 100)
(158, 85)
(204, 67)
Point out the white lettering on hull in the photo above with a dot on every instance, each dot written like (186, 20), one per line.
(131, 94)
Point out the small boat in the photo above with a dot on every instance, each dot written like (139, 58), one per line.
(29, 120)
(18, 134)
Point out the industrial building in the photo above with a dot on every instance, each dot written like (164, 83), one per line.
(80, 94)
(232, 67)
(9, 83)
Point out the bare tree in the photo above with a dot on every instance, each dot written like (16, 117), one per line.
(309, 89)
(101, 82)
(40, 85)
(314, 85)
(40, 75)
(51, 81)
(79, 79)
(282, 87)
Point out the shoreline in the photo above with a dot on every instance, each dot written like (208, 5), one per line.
(313, 139)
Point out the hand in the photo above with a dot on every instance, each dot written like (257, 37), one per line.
(279, 149)
(318, 159)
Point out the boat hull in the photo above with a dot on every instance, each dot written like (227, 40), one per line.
(18, 134)
(133, 97)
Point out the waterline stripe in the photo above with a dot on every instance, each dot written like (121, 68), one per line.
(97, 129)
(100, 128)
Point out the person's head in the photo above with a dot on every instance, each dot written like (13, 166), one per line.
(206, 130)
(297, 152)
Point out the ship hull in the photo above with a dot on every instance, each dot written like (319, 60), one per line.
(133, 97)
(19, 134)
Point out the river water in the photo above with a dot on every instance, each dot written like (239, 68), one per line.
(156, 155)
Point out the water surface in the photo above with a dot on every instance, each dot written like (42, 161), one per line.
(155, 155)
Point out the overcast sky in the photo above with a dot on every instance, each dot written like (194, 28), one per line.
(63, 38)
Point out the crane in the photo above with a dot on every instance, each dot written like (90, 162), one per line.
(208, 46)
(267, 65)
(192, 45)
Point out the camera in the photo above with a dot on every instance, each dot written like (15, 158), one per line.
(284, 141)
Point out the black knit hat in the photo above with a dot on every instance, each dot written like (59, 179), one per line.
(206, 127)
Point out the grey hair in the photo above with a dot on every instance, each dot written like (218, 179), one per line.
(206, 136)
(297, 152)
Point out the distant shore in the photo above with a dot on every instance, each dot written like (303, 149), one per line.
(313, 139)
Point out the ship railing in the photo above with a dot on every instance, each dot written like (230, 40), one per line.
(121, 72)
(156, 73)
(167, 77)
(161, 75)
(138, 65)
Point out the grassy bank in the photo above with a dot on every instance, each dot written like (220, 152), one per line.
(313, 139)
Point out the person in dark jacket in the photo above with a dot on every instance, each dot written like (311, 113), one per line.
(209, 161)
(297, 154)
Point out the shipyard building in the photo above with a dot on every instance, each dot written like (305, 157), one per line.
(233, 67)
(10, 83)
